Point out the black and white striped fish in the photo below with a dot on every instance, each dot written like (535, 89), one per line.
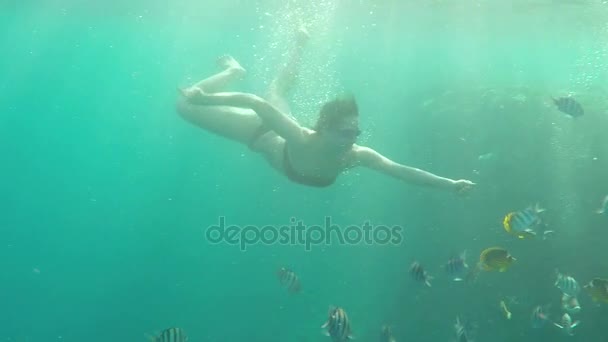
(289, 279)
(462, 333)
(569, 106)
(170, 335)
(337, 325)
(567, 284)
(419, 274)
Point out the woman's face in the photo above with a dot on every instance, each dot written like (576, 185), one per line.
(344, 133)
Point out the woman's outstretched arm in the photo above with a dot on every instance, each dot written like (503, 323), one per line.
(368, 157)
(281, 123)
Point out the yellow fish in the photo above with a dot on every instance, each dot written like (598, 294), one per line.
(505, 310)
(522, 223)
(495, 259)
(598, 290)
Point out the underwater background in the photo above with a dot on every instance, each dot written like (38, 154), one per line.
(107, 192)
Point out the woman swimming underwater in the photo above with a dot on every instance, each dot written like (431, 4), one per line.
(309, 156)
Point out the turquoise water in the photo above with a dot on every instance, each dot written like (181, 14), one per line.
(107, 192)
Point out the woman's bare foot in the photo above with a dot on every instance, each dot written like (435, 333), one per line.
(228, 62)
(193, 95)
(186, 92)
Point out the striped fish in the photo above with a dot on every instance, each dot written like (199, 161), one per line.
(462, 334)
(522, 223)
(419, 274)
(170, 335)
(567, 284)
(569, 106)
(457, 266)
(289, 279)
(337, 325)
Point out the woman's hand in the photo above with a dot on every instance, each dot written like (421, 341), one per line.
(462, 186)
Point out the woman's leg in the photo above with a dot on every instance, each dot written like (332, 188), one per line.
(287, 76)
(232, 71)
(237, 124)
(240, 124)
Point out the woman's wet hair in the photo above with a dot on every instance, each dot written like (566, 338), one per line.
(335, 111)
